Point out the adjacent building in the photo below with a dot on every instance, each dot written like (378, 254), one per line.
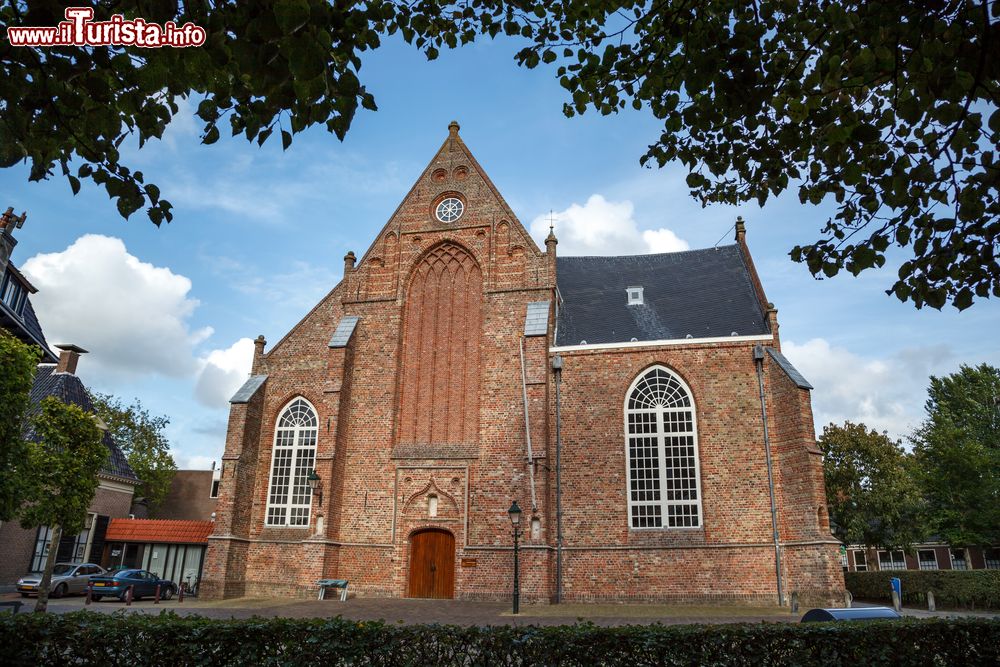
(25, 550)
(926, 556)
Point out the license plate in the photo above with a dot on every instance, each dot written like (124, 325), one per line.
(99, 583)
(30, 588)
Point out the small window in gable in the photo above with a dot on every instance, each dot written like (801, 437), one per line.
(634, 296)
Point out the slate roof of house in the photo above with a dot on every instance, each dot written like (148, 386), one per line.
(25, 326)
(159, 530)
(695, 293)
(69, 389)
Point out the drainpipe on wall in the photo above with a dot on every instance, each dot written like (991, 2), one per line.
(557, 364)
(758, 357)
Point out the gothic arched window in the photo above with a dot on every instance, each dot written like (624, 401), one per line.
(289, 497)
(661, 442)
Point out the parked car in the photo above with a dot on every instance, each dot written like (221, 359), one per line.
(115, 584)
(66, 578)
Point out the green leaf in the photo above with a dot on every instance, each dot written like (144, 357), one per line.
(286, 140)
(211, 136)
(291, 14)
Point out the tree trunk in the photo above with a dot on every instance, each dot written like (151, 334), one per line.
(50, 560)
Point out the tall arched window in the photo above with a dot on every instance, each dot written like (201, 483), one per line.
(661, 440)
(289, 497)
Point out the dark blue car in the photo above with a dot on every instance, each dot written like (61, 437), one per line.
(143, 585)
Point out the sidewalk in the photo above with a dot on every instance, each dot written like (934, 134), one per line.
(459, 612)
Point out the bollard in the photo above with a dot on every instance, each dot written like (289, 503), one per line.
(930, 601)
(180, 593)
(128, 596)
(156, 595)
(895, 601)
(848, 599)
(90, 593)
(795, 602)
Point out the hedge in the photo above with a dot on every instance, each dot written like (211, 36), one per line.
(952, 588)
(134, 639)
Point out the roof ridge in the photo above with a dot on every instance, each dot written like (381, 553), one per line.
(648, 254)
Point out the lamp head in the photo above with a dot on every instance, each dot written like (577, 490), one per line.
(515, 514)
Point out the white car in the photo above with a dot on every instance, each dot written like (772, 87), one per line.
(66, 578)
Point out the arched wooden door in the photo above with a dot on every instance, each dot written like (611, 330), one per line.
(432, 564)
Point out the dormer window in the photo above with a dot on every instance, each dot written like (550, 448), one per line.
(13, 293)
(634, 296)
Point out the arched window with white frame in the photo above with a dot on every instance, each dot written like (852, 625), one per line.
(289, 497)
(661, 443)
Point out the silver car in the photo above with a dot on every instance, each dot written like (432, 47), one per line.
(66, 578)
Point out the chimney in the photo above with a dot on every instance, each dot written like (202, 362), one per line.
(349, 259)
(741, 230)
(8, 223)
(258, 354)
(69, 355)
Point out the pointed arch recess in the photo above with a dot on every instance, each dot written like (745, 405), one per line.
(439, 396)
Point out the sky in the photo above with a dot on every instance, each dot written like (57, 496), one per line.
(259, 235)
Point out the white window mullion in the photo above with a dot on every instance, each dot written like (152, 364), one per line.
(661, 447)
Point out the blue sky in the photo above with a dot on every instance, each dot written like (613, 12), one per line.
(259, 236)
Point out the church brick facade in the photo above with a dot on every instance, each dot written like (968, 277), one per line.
(411, 387)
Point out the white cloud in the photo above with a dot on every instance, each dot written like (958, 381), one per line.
(884, 393)
(663, 240)
(131, 315)
(197, 462)
(602, 227)
(223, 372)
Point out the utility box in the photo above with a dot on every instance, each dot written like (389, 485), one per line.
(897, 585)
(852, 614)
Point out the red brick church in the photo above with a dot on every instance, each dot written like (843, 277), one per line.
(637, 408)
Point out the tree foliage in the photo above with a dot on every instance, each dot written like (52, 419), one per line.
(140, 436)
(17, 370)
(266, 67)
(890, 109)
(957, 450)
(871, 490)
(65, 453)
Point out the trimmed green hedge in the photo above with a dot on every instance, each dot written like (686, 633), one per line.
(952, 588)
(135, 639)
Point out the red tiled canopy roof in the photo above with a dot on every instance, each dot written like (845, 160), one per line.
(159, 530)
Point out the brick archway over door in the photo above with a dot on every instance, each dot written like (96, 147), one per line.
(432, 564)
(443, 323)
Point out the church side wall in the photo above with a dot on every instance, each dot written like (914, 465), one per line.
(811, 560)
(730, 557)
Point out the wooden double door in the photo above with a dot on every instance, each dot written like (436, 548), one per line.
(432, 564)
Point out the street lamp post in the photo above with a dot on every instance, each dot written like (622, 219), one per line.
(515, 520)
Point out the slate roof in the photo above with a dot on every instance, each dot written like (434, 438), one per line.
(793, 373)
(249, 388)
(536, 318)
(26, 326)
(345, 329)
(696, 293)
(166, 531)
(69, 389)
